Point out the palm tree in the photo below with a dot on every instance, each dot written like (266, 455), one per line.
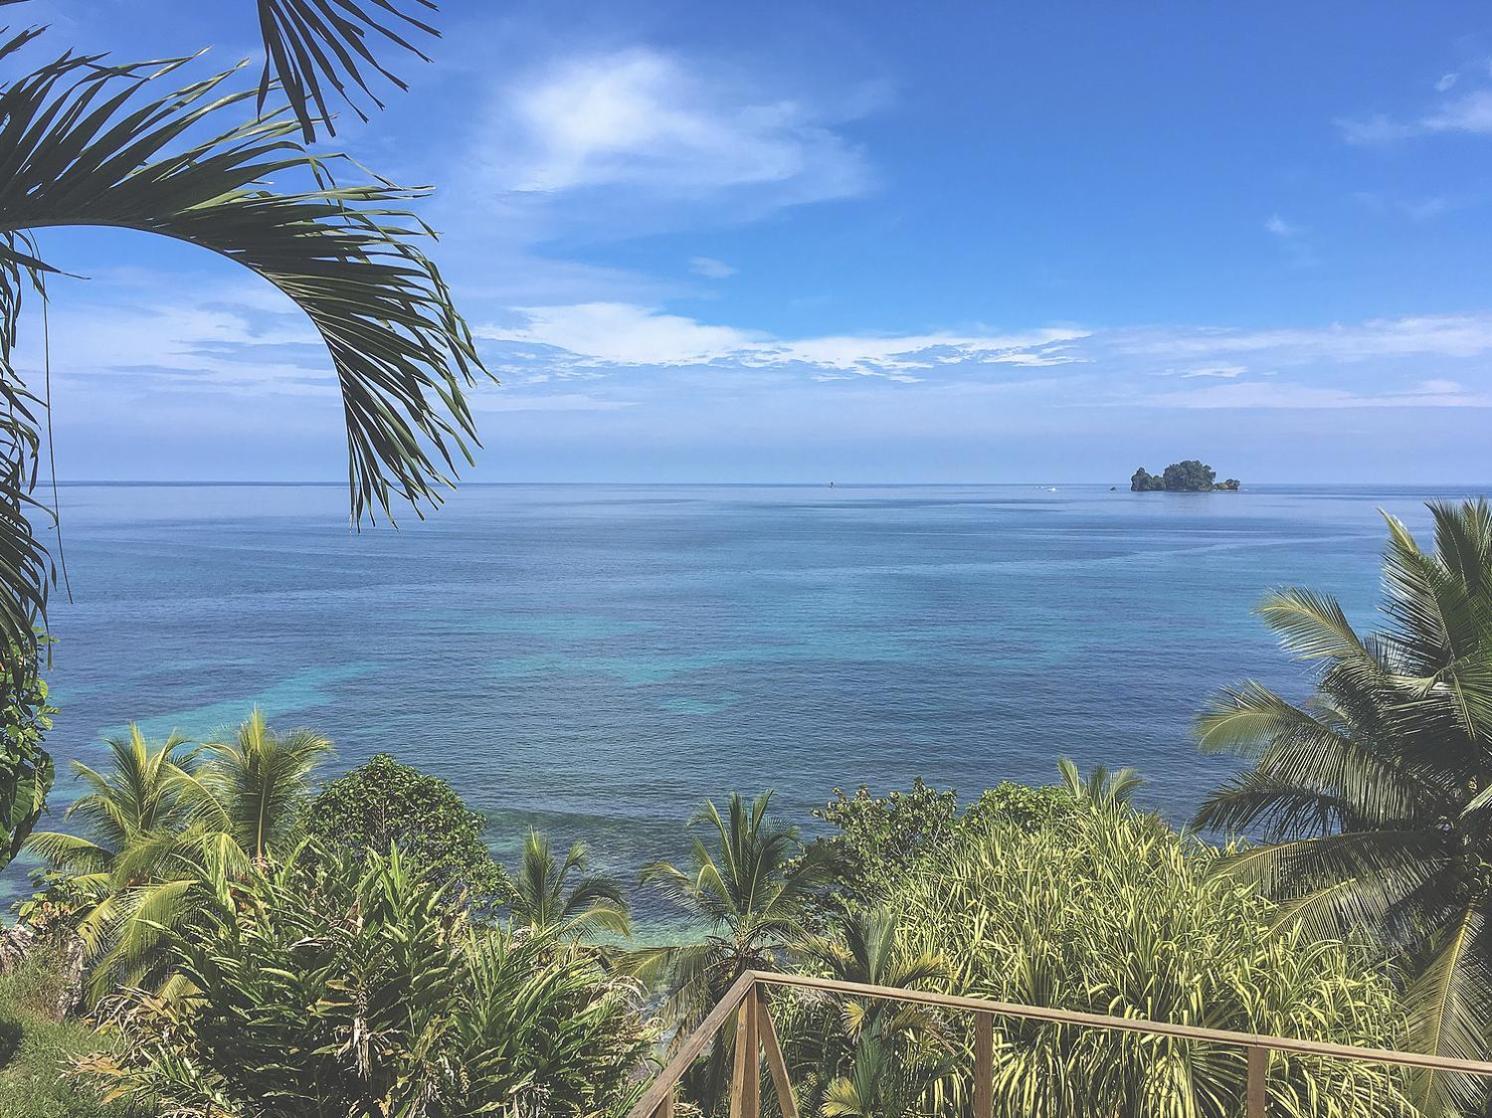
(125, 813)
(877, 1041)
(1100, 787)
(748, 897)
(1373, 796)
(90, 142)
(254, 787)
(163, 827)
(543, 899)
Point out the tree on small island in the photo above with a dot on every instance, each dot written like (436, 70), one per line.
(1189, 476)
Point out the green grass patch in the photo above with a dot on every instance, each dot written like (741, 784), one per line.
(37, 1053)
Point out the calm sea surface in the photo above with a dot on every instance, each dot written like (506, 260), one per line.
(596, 660)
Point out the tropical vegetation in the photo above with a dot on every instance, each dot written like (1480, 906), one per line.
(158, 147)
(348, 985)
(383, 803)
(1373, 798)
(1187, 476)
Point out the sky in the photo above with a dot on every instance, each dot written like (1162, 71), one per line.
(859, 241)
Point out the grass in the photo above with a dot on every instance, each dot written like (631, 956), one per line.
(36, 1053)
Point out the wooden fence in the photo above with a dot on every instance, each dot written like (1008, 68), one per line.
(756, 1040)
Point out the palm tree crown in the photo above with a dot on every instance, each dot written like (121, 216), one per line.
(549, 897)
(748, 892)
(1374, 797)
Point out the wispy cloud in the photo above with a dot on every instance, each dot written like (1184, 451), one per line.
(1279, 227)
(627, 335)
(1469, 113)
(1263, 394)
(656, 124)
(711, 268)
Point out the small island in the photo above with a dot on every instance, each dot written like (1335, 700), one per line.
(1190, 476)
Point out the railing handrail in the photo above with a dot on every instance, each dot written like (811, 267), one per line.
(1421, 1060)
(754, 1030)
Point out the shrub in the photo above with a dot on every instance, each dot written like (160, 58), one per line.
(1109, 911)
(337, 985)
(384, 802)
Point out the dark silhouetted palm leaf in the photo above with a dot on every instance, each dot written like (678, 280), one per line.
(83, 142)
(313, 44)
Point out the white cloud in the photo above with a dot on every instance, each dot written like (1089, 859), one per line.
(1219, 372)
(1260, 394)
(624, 334)
(711, 268)
(1469, 113)
(1446, 81)
(646, 121)
(1454, 336)
(1278, 226)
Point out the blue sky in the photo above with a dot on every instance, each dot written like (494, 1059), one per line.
(868, 242)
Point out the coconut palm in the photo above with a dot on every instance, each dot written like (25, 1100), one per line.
(879, 1056)
(254, 787)
(747, 891)
(121, 820)
(162, 826)
(547, 897)
(90, 142)
(1374, 797)
(748, 895)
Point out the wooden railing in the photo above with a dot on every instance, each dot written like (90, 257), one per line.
(756, 1040)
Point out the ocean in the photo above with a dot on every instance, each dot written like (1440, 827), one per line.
(598, 660)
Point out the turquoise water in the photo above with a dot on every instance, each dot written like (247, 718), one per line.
(598, 659)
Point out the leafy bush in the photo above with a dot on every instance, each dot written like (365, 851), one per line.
(25, 767)
(878, 836)
(1109, 911)
(384, 802)
(335, 985)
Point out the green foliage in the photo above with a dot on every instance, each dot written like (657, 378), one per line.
(383, 802)
(1108, 911)
(877, 835)
(338, 985)
(546, 897)
(877, 838)
(1187, 476)
(90, 142)
(855, 1056)
(37, 1052)
(1374, 795)
(158, 826)
(25, 766)
(747, 891)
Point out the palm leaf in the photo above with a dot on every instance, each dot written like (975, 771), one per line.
(311, 43)
(86, 143)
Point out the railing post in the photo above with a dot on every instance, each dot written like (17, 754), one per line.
(786, 1103)
(1258, 1089)
(746, 1082)
(984, 1065)
(665, 1108)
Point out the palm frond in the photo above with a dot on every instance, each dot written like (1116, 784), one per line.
(308, 43)
(86, 143)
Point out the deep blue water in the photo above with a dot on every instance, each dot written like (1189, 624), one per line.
(598, 659)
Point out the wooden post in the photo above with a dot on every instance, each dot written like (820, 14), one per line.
(746, 1082)
(1258, 1081)
(665, 1108)
(786, 1103)
(984, 1065)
